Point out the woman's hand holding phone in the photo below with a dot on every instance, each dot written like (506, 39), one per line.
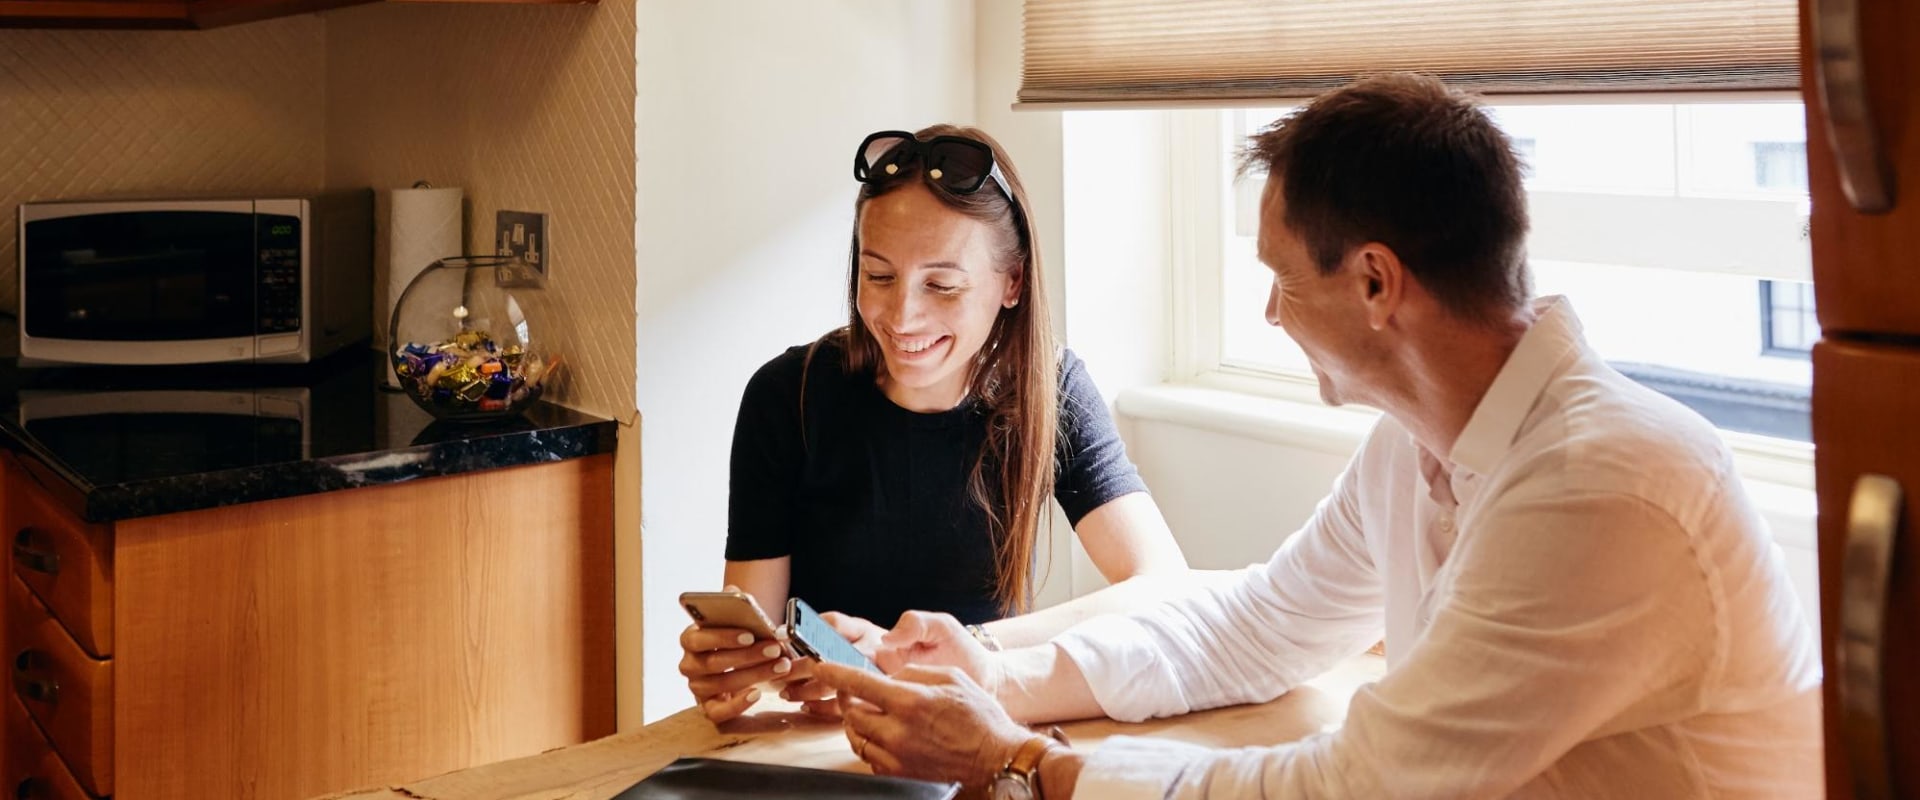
(723, 663)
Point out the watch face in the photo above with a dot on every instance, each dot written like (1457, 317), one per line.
(1010, 787)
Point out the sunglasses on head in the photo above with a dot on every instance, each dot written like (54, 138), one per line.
(958, 164)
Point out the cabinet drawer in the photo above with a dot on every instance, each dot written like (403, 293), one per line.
(67, 563)
(31, 769)
(69, 694)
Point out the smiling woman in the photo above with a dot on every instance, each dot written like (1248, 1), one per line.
(905, 460)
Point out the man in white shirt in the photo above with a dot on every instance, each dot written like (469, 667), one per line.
(1577, 598)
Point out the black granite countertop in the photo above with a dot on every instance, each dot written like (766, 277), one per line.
(134, 442)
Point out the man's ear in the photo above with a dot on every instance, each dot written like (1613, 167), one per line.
(1381, 281)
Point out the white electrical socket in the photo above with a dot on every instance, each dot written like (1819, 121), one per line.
(523, 234)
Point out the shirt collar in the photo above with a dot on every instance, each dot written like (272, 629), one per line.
(1497, 419)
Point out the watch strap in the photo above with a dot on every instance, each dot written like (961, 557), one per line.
(1024, 764)
(986, 640)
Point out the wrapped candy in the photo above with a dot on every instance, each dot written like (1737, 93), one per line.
(471, 375)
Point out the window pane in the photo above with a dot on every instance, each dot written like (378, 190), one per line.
(1751, 148)
(1795, 326)
(1694, 321)
(1619, 148)
(1246, 340)
(1786, 332)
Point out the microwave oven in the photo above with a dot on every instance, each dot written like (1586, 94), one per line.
(272, 279)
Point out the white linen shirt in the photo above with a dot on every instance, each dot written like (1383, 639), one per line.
(1602, 615)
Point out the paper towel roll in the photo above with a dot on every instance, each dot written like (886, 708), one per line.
(422, 226)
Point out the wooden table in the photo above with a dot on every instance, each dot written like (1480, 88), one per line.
(778, 734)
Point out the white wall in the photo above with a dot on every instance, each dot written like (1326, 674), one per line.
(1115, 281)
(1031, 136)
(746, 120)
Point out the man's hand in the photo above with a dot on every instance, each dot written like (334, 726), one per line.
(929, 639)
(933, 723)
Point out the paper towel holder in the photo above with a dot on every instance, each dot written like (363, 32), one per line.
(421, 223)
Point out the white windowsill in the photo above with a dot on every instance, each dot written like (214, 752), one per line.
(1778, 474)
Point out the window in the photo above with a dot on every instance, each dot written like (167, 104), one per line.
(1787, 324)
(1659, 222)
(1780, 165)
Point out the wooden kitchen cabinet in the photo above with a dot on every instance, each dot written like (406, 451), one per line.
(1863, 168)
(176, 14)
(310, 644)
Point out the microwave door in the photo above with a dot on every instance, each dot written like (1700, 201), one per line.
(131, 286)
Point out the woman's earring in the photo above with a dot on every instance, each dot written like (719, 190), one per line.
(1013, 302)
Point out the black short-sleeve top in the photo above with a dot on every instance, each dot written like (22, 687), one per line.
(873, 507)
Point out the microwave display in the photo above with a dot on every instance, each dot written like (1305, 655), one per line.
(152, 276)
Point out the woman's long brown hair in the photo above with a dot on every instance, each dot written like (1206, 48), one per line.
(1015, 377)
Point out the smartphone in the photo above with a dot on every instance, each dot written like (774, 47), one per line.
(728, 610)
(812, 636)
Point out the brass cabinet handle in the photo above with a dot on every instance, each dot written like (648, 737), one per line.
(1841, 70)
(34, 558)
(1873, 527)
(30, 680)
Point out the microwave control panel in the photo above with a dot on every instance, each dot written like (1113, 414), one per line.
(278, 240)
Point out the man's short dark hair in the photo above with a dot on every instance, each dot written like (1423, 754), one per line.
(1402, 160)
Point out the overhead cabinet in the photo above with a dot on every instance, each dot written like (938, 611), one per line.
(175, 14)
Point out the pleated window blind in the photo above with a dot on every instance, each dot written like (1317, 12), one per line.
(1236, 52)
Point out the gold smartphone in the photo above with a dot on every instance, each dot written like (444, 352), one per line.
(729, 610)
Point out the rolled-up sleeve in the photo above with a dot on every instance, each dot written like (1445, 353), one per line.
(1316, 601)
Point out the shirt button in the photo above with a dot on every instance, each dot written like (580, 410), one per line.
(1446, 524)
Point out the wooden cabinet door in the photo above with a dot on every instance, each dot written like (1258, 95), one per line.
(1866, 266)
(307, 645)
(1866, 400)
(170, 14)
(94, 14)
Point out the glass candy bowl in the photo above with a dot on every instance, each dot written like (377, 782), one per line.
(467, 337)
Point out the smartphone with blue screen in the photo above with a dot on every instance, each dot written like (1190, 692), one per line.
(813, 637)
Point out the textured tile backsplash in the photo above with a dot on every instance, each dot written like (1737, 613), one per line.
(94, 113)
(525, 107)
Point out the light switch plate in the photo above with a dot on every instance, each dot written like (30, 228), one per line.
(523, 234)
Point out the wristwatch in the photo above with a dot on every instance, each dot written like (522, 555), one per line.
(1020, 778)
(985, 639)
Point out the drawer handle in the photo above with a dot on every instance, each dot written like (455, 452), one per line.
(1873, 529)
(34, 558)
(1840, 83)
(30, 680)
(33, 789)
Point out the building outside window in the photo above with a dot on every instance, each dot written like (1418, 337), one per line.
(1788, 327)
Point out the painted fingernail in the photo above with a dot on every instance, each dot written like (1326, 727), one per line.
(753, 696)
(772, 651)
(746, 638)
(782, 666)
